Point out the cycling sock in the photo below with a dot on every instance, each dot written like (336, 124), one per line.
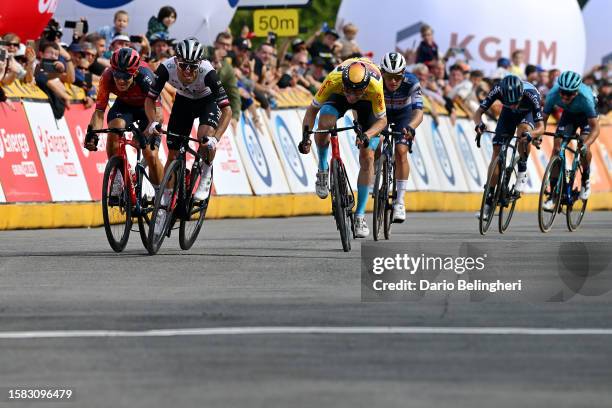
(402, 186)
(323, 163)
(522, 165)
(363, 192)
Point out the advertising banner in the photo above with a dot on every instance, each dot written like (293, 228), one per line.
(57, 154)
(21, 172)
(472, 160)
(443, 156)
(229, 174)
(286, 133)
(203, 22)
(2, 198)
(596, 14)
(260, 160)
(93, 163)
(478, 30)
(422, 168)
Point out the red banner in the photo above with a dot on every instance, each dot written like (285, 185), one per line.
(21, 172)
(93, 163)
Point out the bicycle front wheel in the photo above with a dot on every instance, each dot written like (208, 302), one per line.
(391, 192)
(506, 209)
(116, 206)
(575, 209)
(550, 193)
(191, 224)
(339, 190)
(380, 197)
(487, 210)
(161, 217)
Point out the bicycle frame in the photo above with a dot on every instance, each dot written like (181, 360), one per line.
(567, 197)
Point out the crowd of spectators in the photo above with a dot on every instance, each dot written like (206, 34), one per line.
(253, 76)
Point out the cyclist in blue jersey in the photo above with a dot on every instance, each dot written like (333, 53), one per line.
(404, 104)
(578, 104)
(521, 112)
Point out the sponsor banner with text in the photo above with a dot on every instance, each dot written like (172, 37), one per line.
(229, 174)
(300, 169)
(21, 172)
(57, 154)
(259, 157)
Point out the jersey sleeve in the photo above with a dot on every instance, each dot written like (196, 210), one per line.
(589, 105)
(161, 77)
(416, 96)
(493, 96)
(214, 83)
(378, 100)
(551, 100)
(103, 92)
(536, 105)
(330, 85)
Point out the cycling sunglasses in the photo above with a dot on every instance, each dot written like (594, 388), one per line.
(567, 93)
(122, 75)
(187, 66)
(395, 77)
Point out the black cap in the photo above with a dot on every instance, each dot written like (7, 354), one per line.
(332, 32)
(296, 43)
(242, 44)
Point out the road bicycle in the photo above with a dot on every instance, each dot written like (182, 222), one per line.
(122, 190)
(562, 185)
(385, 192)
(500, 188)
(180, 205)
(343, 200)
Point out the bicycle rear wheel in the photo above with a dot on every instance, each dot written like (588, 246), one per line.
(487, 214)
(161, 217)
(116, 208)
(552, 191)
(574, 212)
(380, 197)
(391, 192)
(506, 209)
(338, 191)
(192, 224)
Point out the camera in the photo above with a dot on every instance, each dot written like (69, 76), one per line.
(272, 38)
(52, 31)
(136, 38)
(2, 55)
(48, 65)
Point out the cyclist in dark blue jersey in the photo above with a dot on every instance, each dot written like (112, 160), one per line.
(578, 104)
(404, 104)
(521, 112)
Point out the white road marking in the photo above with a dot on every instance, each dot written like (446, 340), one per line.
(292, 330)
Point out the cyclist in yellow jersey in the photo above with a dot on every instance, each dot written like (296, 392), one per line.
(354, 84)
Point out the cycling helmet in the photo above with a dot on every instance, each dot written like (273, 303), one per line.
(393, 63)
(190, 50)
(355, 76)
(569, 81)
(511, 89)
(125, 60)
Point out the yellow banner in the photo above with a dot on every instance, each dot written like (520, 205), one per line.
(283, 22)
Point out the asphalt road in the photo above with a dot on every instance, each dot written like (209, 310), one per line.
(284, 274)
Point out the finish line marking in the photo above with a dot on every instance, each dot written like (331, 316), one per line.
(292, 330)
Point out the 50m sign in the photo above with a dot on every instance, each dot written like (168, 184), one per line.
(283, 22)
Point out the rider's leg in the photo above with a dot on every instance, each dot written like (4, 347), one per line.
(524, 147)
(402, 170)
(112, 140)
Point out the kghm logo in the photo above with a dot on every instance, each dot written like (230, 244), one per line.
(442, 153)
(104, 4)
(290, 152)
(251, 141)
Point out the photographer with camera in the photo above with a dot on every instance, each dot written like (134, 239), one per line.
(81, 55)
(51, 74)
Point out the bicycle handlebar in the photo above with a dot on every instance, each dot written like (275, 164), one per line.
(514, 136)
(356, 126)
(204, 140)
(397, 133)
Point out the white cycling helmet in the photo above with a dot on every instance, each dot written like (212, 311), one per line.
(393, 63)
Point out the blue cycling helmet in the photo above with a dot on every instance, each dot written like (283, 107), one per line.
(511, 89)
(569, 81)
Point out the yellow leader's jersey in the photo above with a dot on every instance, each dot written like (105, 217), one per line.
(374, 92)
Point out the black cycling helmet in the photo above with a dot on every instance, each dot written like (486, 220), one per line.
(511, 89)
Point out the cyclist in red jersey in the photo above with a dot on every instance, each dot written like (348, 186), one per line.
(129, 79)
